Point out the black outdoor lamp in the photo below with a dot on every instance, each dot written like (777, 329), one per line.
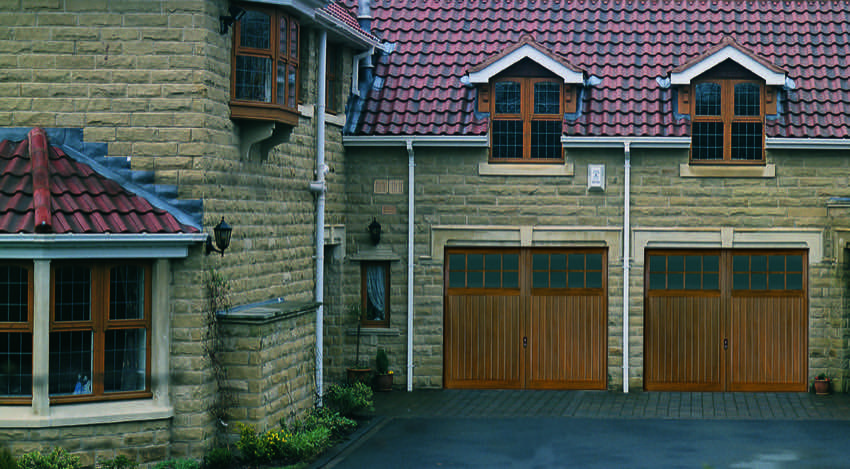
(222, 237)
(225, 22)
(375, 231)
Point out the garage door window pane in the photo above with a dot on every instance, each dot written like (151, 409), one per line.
(795, 282)
(474, 279)
(493, 262)
(457, 262)
(576, 261)
(510, 280)
(457, 279)
(594, 262)
(675, 263)
(741, 263)
(675, 281)
(559, 262)
(693, 263)
(710, 282)
(540, 262)
(540, 279)
(576, 279)
(795, 263)
(475, 262)
(692, 281)
(657, 281)
(711, 263)
(758, 281)
(558, 279)
(492, 279)
(657, 263)
(594, 280)
(510, 261)
(776, 282)
(758, 263)
(776, 263)
(741, 282)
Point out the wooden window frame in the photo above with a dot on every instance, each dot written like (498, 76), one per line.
(526, 116)
(384, 323)
(727, 117)
(21, 327)
(257, 110)
(99, 323)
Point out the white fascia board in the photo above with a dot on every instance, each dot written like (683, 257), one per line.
(305, 7)
(619, 142)
(97, 246)
(334, 26)
(770, 77)
(419, 141)
(774, 143)
(527, 51)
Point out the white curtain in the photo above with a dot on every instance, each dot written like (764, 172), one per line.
(375, 290)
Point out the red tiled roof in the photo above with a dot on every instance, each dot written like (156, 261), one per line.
(626, 44)
(44, 190)
(345, 16)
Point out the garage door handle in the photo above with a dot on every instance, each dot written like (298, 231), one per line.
(725, 344)
(525, 342)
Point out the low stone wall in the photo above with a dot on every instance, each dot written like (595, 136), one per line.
(269, 354)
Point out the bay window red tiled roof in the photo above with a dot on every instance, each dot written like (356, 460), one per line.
(627, 45)
(43, 190)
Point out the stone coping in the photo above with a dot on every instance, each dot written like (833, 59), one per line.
(267, 311)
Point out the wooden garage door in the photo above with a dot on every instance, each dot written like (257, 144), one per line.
(725, 321)
(525, 318)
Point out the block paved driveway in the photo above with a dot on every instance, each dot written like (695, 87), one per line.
(529, 429)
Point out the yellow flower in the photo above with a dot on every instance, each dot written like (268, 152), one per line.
(390, 372)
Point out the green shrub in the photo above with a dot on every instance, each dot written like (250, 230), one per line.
(327, 418)
(178, 464)
(349, 400)
(121, 462)
(382, 363)
(306, 445)
(56, 459)
(252, 446)
(7, 461)
(219, 458)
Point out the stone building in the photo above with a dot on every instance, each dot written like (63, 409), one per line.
(129, 130)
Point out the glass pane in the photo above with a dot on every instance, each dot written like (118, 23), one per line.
(747, 99)
(510, 279)
(15, 363)
(70, 362)
(493, 262)
(758, 263)
(475, 279)
(127, 292)
(540, 279)
(576, 279)
(710, 282)
(594, 280)
(255, 30)
(475, 262)
(253, 79)
(576, 261)
(711, 263)
(758, 281)
(746, 141)
(457, 279)
(540, 262)
(594, 262)
(492, 279)
(507, 139)
(457, 262)
(282, 29)
(776, 263)
(559, 261)
(14, 297)
(546, 139)
(741, 263)
(510, 262)
(657, 263)
(558, 279)
(376, 291)
(292, 86)
(693, 263)
(741, 282)
(675, 281)
(692, 281)
(657, 281)
(547, 98)
(708, 99)
(293, 40)
(794, 263)
(776, 281)
(675, 263)
(707, 141)
(795, 281)
(280, 98)
(73, 294)
(508, 97)
(125, 360)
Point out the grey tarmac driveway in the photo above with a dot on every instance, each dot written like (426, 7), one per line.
(599, 443)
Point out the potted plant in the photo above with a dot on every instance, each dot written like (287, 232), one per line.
(383, 376)
(822, 385)
(360, 372)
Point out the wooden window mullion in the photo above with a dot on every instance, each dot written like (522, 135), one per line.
(99, 310)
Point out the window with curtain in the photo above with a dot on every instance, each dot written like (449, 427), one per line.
(375, 294)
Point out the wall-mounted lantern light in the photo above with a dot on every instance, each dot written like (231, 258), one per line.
(222, 237)
(225, 22)
(375, 231)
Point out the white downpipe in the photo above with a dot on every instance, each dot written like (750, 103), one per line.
(626, 255)
(410, 172)
(321, 169)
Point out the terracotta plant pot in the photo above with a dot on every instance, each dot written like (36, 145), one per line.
(383, 383)
(822, 387)
(358, 375)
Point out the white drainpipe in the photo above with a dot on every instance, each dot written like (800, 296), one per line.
(626, 254)
(410, 172)
(318, 186)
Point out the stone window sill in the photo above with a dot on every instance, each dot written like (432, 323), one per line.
(374, 331)
(84, 414)
(726, 171)
(508, 169)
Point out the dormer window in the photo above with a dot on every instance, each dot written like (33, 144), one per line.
(265, 66)
(727, 121)
(526, 119)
